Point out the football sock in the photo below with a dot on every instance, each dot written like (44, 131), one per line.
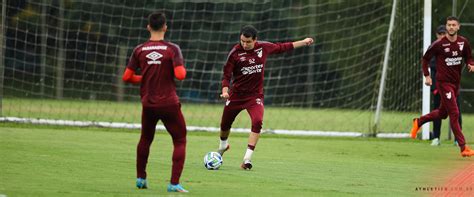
(248, 154)
(179, 155)
(223, 144)
(250, 147)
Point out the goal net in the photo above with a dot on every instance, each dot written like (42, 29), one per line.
(63, 60)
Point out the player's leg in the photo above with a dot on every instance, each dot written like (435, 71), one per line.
(228, 117)
(436, 114)
(436, 123)
(460, 113)
(149, 120)
(255, 111)
(175, 124)
(448, 99)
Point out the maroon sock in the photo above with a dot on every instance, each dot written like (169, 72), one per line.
(250, 147)
(143, 150)
(179, 155)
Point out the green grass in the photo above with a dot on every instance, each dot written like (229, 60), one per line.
(209, 115)
(69, 161)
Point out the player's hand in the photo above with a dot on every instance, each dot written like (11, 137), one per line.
(428, 81)
(224, 96)
(470, 68)
(308, 41)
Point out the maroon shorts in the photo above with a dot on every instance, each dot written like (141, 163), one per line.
(254, 107)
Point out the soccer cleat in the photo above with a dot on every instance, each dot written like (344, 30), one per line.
(467, 152)
(221, 151)
(246, 165)
(141, 183)
(176, 188)
(415, 128)
(435, 142)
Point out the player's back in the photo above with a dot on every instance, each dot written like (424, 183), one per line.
(156, 60)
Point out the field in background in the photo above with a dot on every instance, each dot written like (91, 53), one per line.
(209, 115)
(59, 161)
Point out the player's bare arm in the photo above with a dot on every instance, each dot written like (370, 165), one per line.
(304, 42)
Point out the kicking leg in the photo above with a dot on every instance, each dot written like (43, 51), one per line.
(228, 117)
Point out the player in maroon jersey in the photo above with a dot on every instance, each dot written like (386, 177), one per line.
(449, 51)
(245, 67)
(159, 62)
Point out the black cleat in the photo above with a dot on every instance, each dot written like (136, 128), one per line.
(246, 165)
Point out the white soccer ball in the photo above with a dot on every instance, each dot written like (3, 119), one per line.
(212, 160)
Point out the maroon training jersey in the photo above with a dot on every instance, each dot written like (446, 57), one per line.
(247, 68)
(157, 60)
(449, 56)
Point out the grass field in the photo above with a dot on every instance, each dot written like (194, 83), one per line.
(69, 161)
(209, 115)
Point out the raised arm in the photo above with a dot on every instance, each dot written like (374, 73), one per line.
(304, 42)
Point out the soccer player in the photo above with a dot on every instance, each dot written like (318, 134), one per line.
(159, 61)
(245, 67)
(449, 52)
(440, 33)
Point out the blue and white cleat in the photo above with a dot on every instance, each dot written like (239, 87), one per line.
(141, 183)
(176, 188)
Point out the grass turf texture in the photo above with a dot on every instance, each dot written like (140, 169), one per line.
(59, 161)
(209, 115)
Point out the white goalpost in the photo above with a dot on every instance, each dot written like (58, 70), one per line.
(426, 44)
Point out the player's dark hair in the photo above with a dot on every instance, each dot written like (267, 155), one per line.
(249, 31)
(156, 20)
(452, 18)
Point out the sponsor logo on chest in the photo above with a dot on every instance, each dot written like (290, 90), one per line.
(248, 70)
(453, 61)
